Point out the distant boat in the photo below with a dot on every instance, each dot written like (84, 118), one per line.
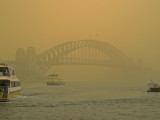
(9, 84)
(53, 79)
(153, 87)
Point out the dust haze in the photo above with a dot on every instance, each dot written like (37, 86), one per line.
(130, 25)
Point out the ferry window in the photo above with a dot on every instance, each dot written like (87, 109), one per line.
(12, 84)
(4, 71)
(5, 83)
(1, 73)
(0, 83)
(16, 84)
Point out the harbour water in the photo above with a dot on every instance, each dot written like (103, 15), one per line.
(82, 101)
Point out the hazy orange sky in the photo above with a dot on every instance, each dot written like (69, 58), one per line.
(131, 25)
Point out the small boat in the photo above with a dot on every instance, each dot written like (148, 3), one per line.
(10, 85)
(153, 87)
(53, 79)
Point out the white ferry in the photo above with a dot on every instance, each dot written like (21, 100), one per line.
(9, 84)
(53, 79)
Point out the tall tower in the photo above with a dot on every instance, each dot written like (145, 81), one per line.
(21, 58)
(31, 59)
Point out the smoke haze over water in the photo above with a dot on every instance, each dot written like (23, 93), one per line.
(132, 26)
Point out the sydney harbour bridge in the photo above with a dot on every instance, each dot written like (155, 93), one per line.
(80, 52)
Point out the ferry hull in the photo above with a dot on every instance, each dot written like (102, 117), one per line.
(9, 96)
(55, 83)
(154, 90)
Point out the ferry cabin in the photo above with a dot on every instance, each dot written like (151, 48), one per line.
(9, 84)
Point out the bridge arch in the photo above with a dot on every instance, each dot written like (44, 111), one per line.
(56, 55)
